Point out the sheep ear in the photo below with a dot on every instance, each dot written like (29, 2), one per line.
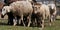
(8, 10)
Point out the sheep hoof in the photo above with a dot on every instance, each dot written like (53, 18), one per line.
(14, 24)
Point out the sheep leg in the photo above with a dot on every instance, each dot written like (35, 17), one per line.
(42, 24)
(18, 20)
(29, 20)
(51, 20)
(42, 19)
(22, 20)
(54, 15)
(15, 21)
(54, 18)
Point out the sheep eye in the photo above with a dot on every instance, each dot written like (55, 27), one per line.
(35, 8)
(4, 10)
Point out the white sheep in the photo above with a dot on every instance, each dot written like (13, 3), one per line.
(19, 8)
(53, 11)
(42, 12)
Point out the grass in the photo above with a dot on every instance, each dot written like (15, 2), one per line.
(55, 26)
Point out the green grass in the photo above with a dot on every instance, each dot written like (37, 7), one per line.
(55, 26)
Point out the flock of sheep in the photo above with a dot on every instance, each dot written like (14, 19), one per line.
(32, 11)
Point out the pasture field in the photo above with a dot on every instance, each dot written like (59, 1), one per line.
(55, 26)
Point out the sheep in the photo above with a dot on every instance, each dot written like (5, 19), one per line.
(53, 11)
(41, 12)
(7, 2)
(19, 8)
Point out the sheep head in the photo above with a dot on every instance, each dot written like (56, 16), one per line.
(5, 10)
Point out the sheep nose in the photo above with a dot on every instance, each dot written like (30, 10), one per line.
(35, 12)
(2, 16)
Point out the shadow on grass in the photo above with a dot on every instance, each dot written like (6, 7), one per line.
(4, 22)
(1, 23)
